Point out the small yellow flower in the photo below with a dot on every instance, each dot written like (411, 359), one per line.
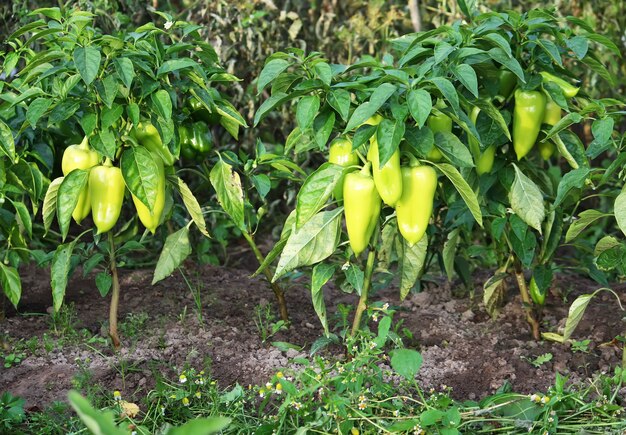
(268, 385)
(279, 389)
(362, 406)
(386, 306)
(354, 431)
(262, 392)
(182, 378)
(373, 345)
(280, 375)
(213, 382)
(185, 401)
(362, 398)
(198, 394)
(297, 405)
(341, 369)
(129, 409)
(117, 395)
(396, 413)
(545, 400)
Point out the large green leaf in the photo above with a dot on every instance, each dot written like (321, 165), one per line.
(420, 104)
(87, 60)
(306, 111)
(464, 190)
(270, 71)
(227, 185)
(314, 242)
(141, 174)
(412, 263)
(315, 191)
(60, 271)
(192, 205)
(322, 273)
(7, 143)
(11, 283)
(67, 197)
(527, 200)
(97, 422)
(406, 362)
(619, 208)
(175, 250)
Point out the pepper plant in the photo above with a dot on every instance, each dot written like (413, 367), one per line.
(122, 93)
(468, 100)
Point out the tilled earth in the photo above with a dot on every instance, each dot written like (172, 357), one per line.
(462, 346)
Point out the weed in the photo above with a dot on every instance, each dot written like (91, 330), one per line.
(540, 360)
(264, 320)
(581, 346)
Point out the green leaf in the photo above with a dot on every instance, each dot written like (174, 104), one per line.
(579, 46)
(312, 243)
(467, 76)
(339, 99)
(87, 61)
(527, 200)
(383, 331)
(269, 104)
(175, 250)
(192, 205)
(510, 63)
(202, 426)
(7, 144)
(103, 283)
(448, 92)
(50, 204)
(23, 217)
(324, 72)
(412, 264)
(97, 422)
(162, 103)
(366, 110)
(125, 70)
(60, 271)
(355, 277)
(565, 122)
(141, 174)
(585, 219)
(307, 110)
(420, 104)
(323, 127)
(449, 251)
(11, 283)
(321, 274)
(67, 197)
(406, 362)
(176, 64)
(619, 209)
(499, 41)
(315, 191)
(453, 149)
(108, 89)
(88, 123)
(227, 185)
(464, 190)
(270, 71)
(110, 115)
(133, 113)
(389, 134)
(572, 180)
(105, 143)
(36, 109)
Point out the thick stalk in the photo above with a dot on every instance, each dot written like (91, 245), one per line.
(367, 282)
(278, 291)
(115, 295)
(523, 289)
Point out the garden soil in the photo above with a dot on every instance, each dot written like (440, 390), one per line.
(463, 348)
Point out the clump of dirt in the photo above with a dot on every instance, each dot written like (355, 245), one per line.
(462, 347)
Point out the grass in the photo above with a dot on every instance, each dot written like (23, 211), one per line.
(371, 390)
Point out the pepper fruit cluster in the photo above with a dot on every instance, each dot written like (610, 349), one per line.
(409, 189)
(103, 195)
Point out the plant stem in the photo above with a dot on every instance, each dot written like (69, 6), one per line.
(530, 318)
(367, 282)
(115, 295)
(278, 291)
